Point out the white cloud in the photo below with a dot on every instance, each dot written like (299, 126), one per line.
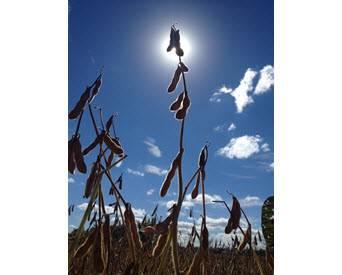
(150, 192)
(266, 80)
(189, 202)
(71, 180)
(218, 128)
(152, 169)
(215, 97)
(272, 165)
(231, 127)
(135, 172)
(250, 201)
(243, 94)
(153, 148)
(139, 213)
(265, 147)
(240, 94)
(241, 148)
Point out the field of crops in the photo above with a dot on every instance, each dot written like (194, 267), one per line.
(117, 243)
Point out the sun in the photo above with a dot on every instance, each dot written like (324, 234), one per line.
(171, 56)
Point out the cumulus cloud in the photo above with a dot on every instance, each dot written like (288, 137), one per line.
(241, 147)
(71, 180)
(189, 202)
(250, 201)
(266, 80)
(223, 127)
(135, 172)
(243, 94)
(218, 128)
(152, 169)
(231, 127)
(153, 148)
(215, 97)
(139, 213)
(150, 192)
(265, 147)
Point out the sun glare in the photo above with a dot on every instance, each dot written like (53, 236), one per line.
(171, 56)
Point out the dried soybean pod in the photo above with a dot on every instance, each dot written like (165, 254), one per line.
(203, 156)
(175, 80)
(183, 67)
(194, 192)
(91, 179)
(86, 245)
(96, 88)
(177, 103)
(181, 114)
(246, 238)
(92, 145)
(186, 102)
(229, 227)
(235, 213)
(179, 51)
(112, 144)
(133, 228)
(98, 255)
(172, 39)
(110, 159)
(76, 111)
(169, 176)
(81, 166)
(71, 156)
(205, 238)
(109, 123)
(161, 242)
(107, 237)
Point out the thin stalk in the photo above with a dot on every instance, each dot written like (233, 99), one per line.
(180, 192)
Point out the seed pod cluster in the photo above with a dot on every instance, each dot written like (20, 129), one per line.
(235, 216)
(75, 156)
(247, 238)
(175, 41)
(169, 176)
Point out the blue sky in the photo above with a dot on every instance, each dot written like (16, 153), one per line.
(230, 84)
